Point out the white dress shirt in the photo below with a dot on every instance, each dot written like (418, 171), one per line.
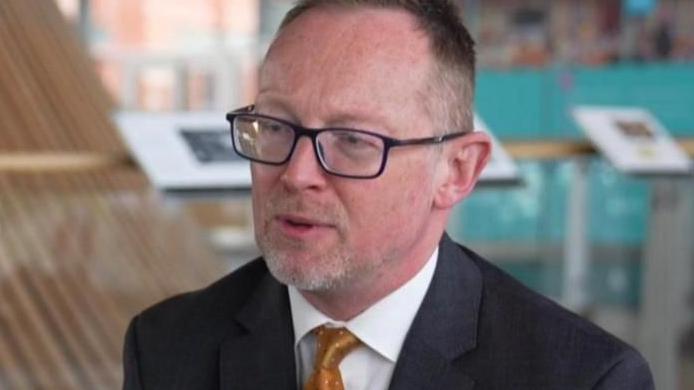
(382, 329)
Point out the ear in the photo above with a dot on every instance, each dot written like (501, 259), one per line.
(461, 164)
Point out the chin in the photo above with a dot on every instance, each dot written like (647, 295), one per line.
(321, 273)
(302, 279)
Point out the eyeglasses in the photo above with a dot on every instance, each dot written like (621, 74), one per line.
(350, 153)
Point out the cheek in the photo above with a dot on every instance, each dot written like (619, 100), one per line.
(264, 177)
(257, 206)
(387, 210)
(414, 195)
(263, 180)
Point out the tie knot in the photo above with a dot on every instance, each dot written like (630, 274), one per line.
(333, 345)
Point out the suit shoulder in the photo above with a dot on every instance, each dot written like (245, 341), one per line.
(512, 297)
(522, 323)
(230, 292)
(177, 340)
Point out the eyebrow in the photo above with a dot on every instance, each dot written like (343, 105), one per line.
(273, 103)
(357, 119)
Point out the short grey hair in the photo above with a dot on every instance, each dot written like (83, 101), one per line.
(449, 96)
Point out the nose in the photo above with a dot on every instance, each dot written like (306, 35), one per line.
(303, 171)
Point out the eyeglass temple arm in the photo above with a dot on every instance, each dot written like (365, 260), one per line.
(424, 141)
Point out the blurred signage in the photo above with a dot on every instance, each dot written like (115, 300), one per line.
(501, 168)
(191, 153)
(185, 152)
(632, 140)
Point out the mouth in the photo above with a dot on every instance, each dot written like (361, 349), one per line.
(300, 226)
(300, 221)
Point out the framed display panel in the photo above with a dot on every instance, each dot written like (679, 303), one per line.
(632, 140)
(501, 169)
(185, 152)
(191, 153)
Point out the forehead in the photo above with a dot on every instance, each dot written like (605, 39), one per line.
(345, 54)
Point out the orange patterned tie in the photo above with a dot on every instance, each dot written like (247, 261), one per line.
(332, 346)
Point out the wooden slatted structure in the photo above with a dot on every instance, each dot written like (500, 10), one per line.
(81, 251)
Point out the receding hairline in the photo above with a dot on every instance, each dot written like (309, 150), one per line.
(304, 7)
(449, 95)
(349, 7)
(423, 12)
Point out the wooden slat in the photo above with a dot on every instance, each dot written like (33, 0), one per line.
(49, 255)
(548, 149)
(12, 356)
(688, 146)
(53, 303)
(40, 353)
(48, 78)
(62, 162)
(54, 162)
(65, 290)
(541, 150)
(84, 241)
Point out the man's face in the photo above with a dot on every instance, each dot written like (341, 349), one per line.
(365, 69)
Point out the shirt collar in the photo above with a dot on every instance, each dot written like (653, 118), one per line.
(383, 326)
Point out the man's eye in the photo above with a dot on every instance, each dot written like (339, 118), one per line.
(272, 127)
(355, 141)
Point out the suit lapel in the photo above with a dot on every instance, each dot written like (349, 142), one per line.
(262, 355)
(444, 328)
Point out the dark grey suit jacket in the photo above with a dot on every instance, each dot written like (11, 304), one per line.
(476, 328)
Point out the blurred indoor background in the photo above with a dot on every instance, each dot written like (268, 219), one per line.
(87, 241)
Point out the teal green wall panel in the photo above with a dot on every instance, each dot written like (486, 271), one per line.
(618, 207)
(536, 103)
(511, 102)
(527, 104)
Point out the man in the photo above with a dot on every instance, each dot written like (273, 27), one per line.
(361, 141)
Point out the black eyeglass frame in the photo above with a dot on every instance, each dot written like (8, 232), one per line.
(312, 134)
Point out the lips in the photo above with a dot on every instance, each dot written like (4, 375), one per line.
(299, 226)
(297, 220)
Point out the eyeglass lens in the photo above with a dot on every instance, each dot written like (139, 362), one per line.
(344, 152)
